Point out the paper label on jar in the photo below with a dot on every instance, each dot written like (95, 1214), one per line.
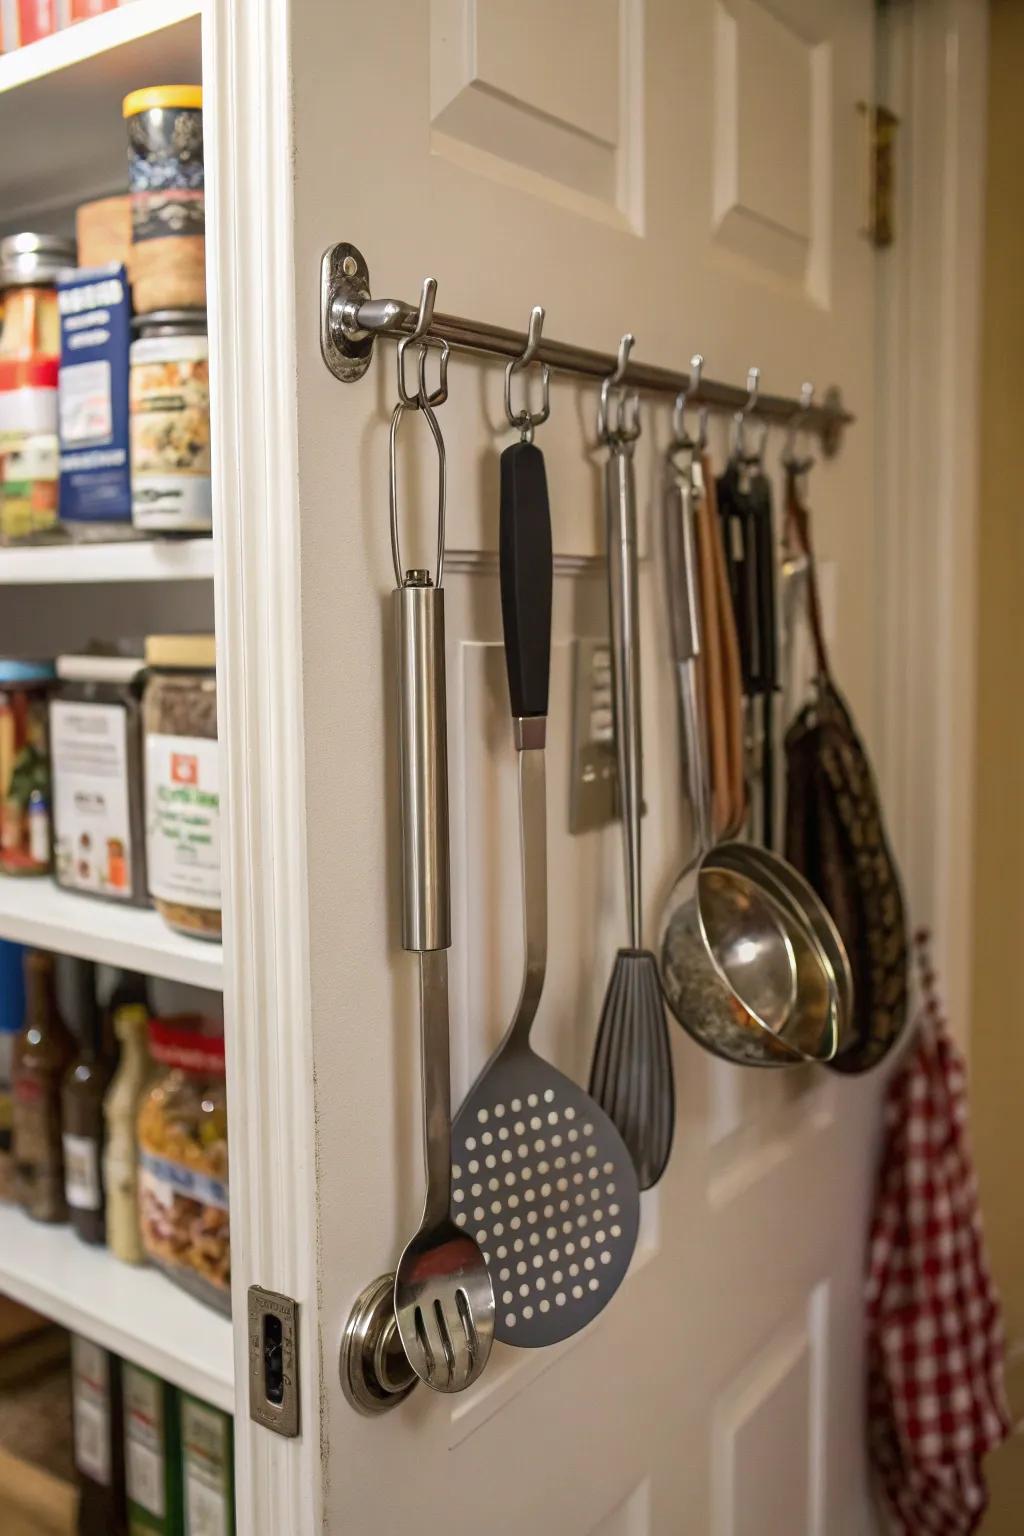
(90, 1367)
(170, 443)
(82, 1187)
(162, 1180)
(205, 1453)
(183, 820)
(144, 1440)
(91, 825)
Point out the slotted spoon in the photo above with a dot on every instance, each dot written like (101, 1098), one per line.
(541, 1178)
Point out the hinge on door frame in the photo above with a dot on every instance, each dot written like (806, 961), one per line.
(274, 1361)
(880, 159)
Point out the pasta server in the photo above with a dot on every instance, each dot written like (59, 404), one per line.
(541, 1178)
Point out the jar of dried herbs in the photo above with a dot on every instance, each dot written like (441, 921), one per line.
(179, 717)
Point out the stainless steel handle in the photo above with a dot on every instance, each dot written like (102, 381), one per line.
(623, 598)
(684, 614)
(423, 755)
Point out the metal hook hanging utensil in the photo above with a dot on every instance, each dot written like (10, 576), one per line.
(420, 403)
(627, 412)
(680, 431)
(526, 420)
(740, 419)
(791, 460)
(424, 320)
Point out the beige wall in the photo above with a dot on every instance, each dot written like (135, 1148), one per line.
(997, 1040)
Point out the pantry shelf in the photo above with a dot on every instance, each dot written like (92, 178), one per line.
(151, 560)
(60, 104)
(37, 912)
(135, 1311)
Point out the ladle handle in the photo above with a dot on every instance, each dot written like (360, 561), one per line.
(684, 621)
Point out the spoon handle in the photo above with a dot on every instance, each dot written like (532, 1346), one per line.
(426, 904)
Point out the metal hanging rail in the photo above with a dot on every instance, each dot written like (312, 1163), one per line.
(350, 320)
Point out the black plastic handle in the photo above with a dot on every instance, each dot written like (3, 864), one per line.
(525, 563)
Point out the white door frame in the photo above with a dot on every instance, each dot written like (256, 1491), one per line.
(927, 489)
(928, 401)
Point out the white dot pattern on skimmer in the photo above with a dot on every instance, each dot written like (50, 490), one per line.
(540, 1182)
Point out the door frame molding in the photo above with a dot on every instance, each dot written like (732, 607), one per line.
(927, 510)
(249, 165)
(933, 64)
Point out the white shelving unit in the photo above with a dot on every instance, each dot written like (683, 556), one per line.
(135, 1311)
(152, 560)
(60, 103)
(60, 113)
(38, 912)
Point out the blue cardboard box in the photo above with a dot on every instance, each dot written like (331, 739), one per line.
(95, 336)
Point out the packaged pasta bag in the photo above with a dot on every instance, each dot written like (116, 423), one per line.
(183, 1160)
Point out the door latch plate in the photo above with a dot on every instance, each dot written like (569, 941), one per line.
(344, 281)
(273, 1361)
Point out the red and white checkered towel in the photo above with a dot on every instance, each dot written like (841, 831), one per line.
(936, 1400)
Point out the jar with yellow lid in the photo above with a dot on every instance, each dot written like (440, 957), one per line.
(166, 182)
(179, 717)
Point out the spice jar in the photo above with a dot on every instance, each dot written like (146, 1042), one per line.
(165, 179)
(24, 767)
(99, 824)
(179, 715)
(29, 352)
(183, 1161)
(169, 405)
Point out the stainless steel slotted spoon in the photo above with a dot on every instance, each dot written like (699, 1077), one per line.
(444, 1304)
(541, 1177)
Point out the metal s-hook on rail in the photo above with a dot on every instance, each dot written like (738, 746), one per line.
(526, 420)
(350, 320)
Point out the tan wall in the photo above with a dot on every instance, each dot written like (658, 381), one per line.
(997, 1038)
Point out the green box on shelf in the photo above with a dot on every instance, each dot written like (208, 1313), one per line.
(152, 1454)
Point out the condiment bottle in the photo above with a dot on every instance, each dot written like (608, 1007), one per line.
(85, 1084)
(41, 1055)
(130, 1019)
(99, 1439)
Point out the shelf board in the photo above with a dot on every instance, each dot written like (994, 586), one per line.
(60, 102)
(37, 912)
(148, 560)
(133, 1310)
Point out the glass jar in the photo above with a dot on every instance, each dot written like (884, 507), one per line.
(172, 490)
(183, 1161)
(99, 824)
(24, 767)
(179, 716)
(29, 359)
(165, 178)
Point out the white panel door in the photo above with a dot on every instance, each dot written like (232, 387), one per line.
(691, 172)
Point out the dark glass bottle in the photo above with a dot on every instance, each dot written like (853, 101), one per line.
(41, 1055)
(130, 991)
(99, 1440)
(85, 1084)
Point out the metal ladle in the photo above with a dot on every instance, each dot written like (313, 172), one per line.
(741, 972)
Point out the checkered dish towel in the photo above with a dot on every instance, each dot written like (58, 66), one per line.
(936, 1401)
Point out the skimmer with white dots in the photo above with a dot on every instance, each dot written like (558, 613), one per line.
(540, 1176)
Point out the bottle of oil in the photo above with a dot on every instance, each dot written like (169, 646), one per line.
(85, 1084)
(99, 1440)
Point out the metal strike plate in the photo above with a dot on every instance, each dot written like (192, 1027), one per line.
(344, 280)
(375, 1375)
(273, 1361)
(593, 790)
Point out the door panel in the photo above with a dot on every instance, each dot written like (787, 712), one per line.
(688, 171)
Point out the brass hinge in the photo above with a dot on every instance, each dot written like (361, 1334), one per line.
(881, 125)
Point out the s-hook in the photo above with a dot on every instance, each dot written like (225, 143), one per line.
(626, 428)
(525, 421)
(424, 319)
(681, 437)
(740, 453)
(791, 460)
